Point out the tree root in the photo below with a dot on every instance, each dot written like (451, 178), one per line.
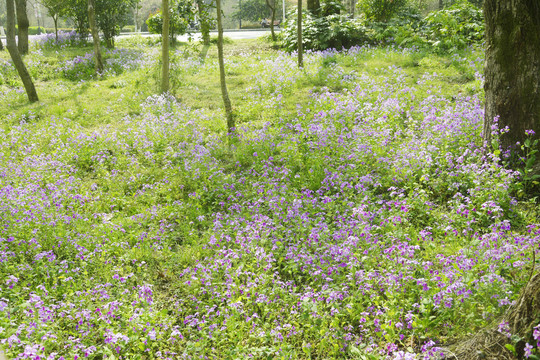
(490, 344)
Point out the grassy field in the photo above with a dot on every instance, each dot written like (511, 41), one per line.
(357, 214)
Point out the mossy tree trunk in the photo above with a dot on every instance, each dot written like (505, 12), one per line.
(231, 126)
(299, 36)
(95, 35)
(512, 68)
(165, 47)
(22, 26)
(15, 55)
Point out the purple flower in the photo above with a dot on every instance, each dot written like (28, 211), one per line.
(528, 349)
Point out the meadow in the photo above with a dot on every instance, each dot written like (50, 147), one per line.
(357, 214)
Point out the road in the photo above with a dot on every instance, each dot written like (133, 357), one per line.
(231, 34)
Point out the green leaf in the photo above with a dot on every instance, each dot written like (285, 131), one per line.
(511, 348)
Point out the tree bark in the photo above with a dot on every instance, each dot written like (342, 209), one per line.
(314, 6)
(203, 21)
(299, 36)
(55, 19)
(95, 35)
(1, 45)
(272, 17)
(231, 126)
(22, 25)
(165, 47)
(489, 344)
(512, 69)
(15, 55)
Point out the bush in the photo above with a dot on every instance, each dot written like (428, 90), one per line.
(333, 31)
(180, 16)
(128, 28)
(177, 26)
(381, 10)
(458, 26)
(403, 30)
(455, 27)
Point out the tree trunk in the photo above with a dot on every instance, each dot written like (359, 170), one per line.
(490, 344)
(1, 45)
(512, 69)
(15, 55)
(95, 35)
(165, 47)
(231, 127)
(314, 6)
(55, 19)
(441, 4)
(204, 24)
(136, 16)
(299, 36)
(352, 7)
(22, 25)
(272, 17)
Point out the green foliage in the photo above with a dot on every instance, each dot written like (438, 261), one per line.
(111, 16)
(319, 33)
(403, 30)
(381, 10)
(56, 8)
(332, 7)
(458, 26)
(455, 27)
(359, 182)
(252, 10)
(181, 13)
(78, 12)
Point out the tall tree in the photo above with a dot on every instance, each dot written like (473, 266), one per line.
(165, 47)
(111, 16)
(15, 55)
(78, 12)
(55, 9)
(299, 36)
(203, 8)
(512, 88)
(272, 6)
(512, 70)
(231, 126)
(95, 35)
(136, 9)
(22, 26)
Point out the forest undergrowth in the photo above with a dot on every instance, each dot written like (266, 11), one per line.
(357, 214)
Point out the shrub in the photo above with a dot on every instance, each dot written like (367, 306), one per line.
(458, 26)
(180, 16)
(128, 28)
(381, 10)
(333, 31)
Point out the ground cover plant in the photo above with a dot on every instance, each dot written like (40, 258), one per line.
(357, 214)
